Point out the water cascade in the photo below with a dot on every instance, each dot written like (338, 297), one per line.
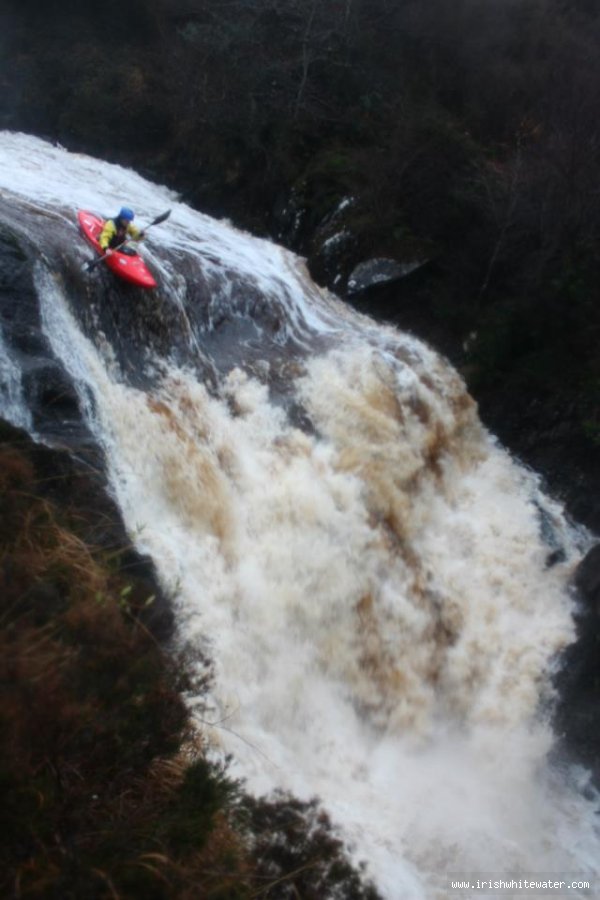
(363, 565)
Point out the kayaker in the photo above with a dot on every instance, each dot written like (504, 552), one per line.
(118, 230)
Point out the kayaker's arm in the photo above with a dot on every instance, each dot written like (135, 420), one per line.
(134, 233)
(107, 234)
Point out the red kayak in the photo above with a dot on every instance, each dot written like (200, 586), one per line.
(131, 268)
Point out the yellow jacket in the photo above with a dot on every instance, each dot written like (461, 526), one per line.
(112, 236)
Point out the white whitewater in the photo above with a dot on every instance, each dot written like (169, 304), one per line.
(373, 592)
(12, 402)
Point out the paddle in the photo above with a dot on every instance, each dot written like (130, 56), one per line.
(96, 262)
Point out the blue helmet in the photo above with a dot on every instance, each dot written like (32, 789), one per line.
(126, 213)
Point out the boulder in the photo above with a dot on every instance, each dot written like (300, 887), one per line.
(375, 272)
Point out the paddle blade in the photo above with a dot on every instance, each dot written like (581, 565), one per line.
(160, 219)
(88, 266)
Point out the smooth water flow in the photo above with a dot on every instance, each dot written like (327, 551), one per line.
(363, 565)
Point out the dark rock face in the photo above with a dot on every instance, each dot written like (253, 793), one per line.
(47, 389)
(577, 717)
(374, 272)
(51, 396)
(587, 580)
(545, 432)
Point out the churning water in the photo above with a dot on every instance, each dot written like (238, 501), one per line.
(363, 565)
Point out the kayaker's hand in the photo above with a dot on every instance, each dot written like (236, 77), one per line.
(108, 252)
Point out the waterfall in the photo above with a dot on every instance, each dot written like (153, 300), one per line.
(364, 566)
(12, 402)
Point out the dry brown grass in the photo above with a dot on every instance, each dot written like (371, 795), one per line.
(107, 794)
(93, 726)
